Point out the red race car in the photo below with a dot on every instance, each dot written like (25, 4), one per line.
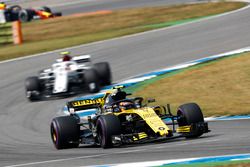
(16, 12)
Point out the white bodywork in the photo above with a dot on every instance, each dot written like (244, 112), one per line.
(62, 71)
(2, 16)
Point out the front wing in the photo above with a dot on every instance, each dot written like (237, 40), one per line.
(142, 137)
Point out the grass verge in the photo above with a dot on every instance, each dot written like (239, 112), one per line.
(245, 163)
(220, 87)
(47, 35)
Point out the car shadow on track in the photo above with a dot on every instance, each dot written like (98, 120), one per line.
(154, 142)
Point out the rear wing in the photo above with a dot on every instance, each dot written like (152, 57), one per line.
(82, 58)
(91, 102)
(78, 59)
(85, 104)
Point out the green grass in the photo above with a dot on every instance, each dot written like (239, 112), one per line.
(215, 164)
(220, 87)
(51, 34)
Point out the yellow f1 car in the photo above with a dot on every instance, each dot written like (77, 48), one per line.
(121, 120)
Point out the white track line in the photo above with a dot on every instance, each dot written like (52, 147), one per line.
(74, 158)
(176, 161)
(56, 160)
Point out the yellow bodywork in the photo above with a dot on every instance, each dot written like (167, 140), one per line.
(150, 117)
(87, 102)
(140, 136)
(148, 114)
(183, 129)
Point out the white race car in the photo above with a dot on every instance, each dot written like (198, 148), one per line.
(70, 77)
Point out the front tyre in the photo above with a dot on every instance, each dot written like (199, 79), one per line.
(65, 132)
(191, 114)
(104, 72)
(107, 126)
(92, 81)
(33, 88)
(25, 15)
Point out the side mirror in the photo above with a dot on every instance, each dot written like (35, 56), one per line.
(151, 100)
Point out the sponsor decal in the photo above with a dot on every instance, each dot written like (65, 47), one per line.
(87, 102)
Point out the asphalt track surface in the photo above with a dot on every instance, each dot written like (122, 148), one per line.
(92, 6)
(24, 126)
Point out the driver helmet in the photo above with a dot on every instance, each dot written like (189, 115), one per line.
(66, 56)
(118, 95)
(2, 6)
(126, 105)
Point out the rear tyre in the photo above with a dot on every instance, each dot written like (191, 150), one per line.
(11, 13)
(107, 126)
(92, 81)
(65, 132)
(190, 114)
(104, 72)
(25, 15)
(33, 88)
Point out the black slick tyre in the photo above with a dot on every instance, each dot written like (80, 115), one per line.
(11, 13)
(107, 126)
(25, 15)
(33, 88)
(190, 114)
(92, 80)
(104, 72)
(65, 132)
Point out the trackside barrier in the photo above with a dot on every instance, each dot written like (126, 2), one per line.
(11, 33)
(6, 33)
(17, 32)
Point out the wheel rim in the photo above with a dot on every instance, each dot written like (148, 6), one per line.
(54, 134)
(54, 137)
(100, 137)
(23, 17)
(92, 86)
